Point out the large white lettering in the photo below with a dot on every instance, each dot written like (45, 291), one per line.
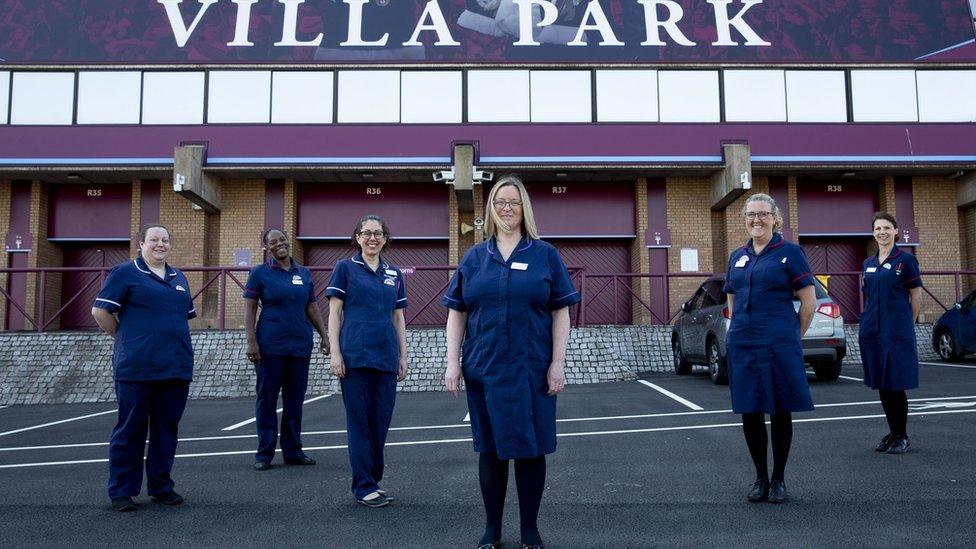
(723, 24)
(600, 24)
(437, 24)
(289, 27)
(181, 32)
(243, 24)
(670, 25)
(526, 23)
(355, 35)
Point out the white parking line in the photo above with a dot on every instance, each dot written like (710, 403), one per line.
(851, 378)
(948, 365)
(468, 439)
(56, 423)
(252, 420)
(467, 417)
(670, 395)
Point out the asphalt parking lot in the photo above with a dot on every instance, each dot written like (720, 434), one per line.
(656, 462)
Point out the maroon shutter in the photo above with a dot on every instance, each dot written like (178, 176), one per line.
(73, 284)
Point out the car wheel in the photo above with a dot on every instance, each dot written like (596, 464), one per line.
(945, 346)
(829, 370)
(718, 369)
(681, 364)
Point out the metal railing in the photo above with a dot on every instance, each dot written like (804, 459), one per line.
(623, 293)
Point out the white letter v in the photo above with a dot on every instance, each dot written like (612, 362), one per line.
(180, 31)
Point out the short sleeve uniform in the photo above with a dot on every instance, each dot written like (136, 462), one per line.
(283, 327)
(507, 345)
(765, 356)
(887, 330)
(153, 338)
(368, 338)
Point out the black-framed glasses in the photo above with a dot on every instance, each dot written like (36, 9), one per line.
(375, 234)
(760, 215)
(501, 204)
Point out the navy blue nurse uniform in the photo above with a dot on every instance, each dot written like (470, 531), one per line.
(507, 346)
(887, 330)
(153, 366)
(371, 353)
(764, 353)
(284, 337)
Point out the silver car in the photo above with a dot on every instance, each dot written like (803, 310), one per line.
(698, 334)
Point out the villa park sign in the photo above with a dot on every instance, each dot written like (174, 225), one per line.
(484, 31)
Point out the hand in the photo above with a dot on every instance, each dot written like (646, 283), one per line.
(253, 353)
(324, 346)
(452, 377)
(402, 369)
(338, 367)
(556, 378)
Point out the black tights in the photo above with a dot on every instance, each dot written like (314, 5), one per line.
(895, 404)
(781, 429)
(530, 479)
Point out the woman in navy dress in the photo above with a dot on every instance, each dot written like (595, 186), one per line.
(509, 302)
(766, 372)
(369, 352)
(145, 305)
(280, 346)
(892, 292)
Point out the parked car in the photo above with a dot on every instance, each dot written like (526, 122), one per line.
(954, 334)
(698, 334)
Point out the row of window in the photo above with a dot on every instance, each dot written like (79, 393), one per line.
(502, 95)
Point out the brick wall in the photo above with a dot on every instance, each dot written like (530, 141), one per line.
(135, 214)
(188, 230)
(4, 228)
(43, 254)
(291, 220)
(690, 223)
(238, 227)
(639, 258)
(886, 196)
(939, 244)
(967, 236)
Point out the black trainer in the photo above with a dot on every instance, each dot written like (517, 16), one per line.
(303, 460)
(262, 465)
(899, 445)
(379, 501)
(777, 492)
(123, 505)
(885, 443)
(759, 491)
(168, 498)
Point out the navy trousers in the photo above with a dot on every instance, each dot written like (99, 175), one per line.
(369, 396)
(287, 375)
(145, 407)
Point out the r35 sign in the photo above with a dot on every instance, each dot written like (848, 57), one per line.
(93, 193)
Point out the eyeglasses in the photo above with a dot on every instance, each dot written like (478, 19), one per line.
(375, 234)
(501, 204)
(760, 215)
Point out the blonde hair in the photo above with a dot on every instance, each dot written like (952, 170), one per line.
(492, 221)
(761, 197)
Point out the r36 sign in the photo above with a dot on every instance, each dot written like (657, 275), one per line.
(835, 188)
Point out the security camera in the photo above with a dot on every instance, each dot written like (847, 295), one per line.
(445, 175)
(482, 175)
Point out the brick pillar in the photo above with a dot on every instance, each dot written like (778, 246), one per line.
(291, 219)
(886, 196)
(794, 206)
(242, 221)
(639, 260)
(967, 230)
(940, 248)
(454, 244)
(43, 254)
(4, 229)
(189, 230)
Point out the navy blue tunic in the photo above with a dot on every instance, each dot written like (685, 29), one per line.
(368, 338)
(153, 338)
(765, 357)
(507, 345)
(887, 330)
(283, 327)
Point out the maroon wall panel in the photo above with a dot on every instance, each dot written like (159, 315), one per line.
(149, 202)
(584, 209)
(90, 212)
(601, 256)
(274, 203)
(422, 286)
(835, 255)
(78, 314)
(414, 210)
(836, 207)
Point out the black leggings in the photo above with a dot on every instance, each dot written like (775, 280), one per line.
(781, 429)
(530, 480)
(895, 404)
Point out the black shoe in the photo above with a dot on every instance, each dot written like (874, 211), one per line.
(777, 492)
(387, 496)
(304, 460)
(492, 545)
(527, 546)
(899, 445)
(885, 443)
(123, 505)
(378, 501)
(759, 491)
(168, 498)
(262, 465)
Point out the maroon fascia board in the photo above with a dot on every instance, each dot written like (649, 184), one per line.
(393, 144)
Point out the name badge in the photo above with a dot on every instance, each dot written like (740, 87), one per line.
(391, 272)
(887, 266)
(870, 269)
(296, 280)
(389, 282)
(742, 261)
(180, 288)
(519, 266)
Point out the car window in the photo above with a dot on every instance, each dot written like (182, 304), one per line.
(696, 300)
(969, 301)
(713, 294)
